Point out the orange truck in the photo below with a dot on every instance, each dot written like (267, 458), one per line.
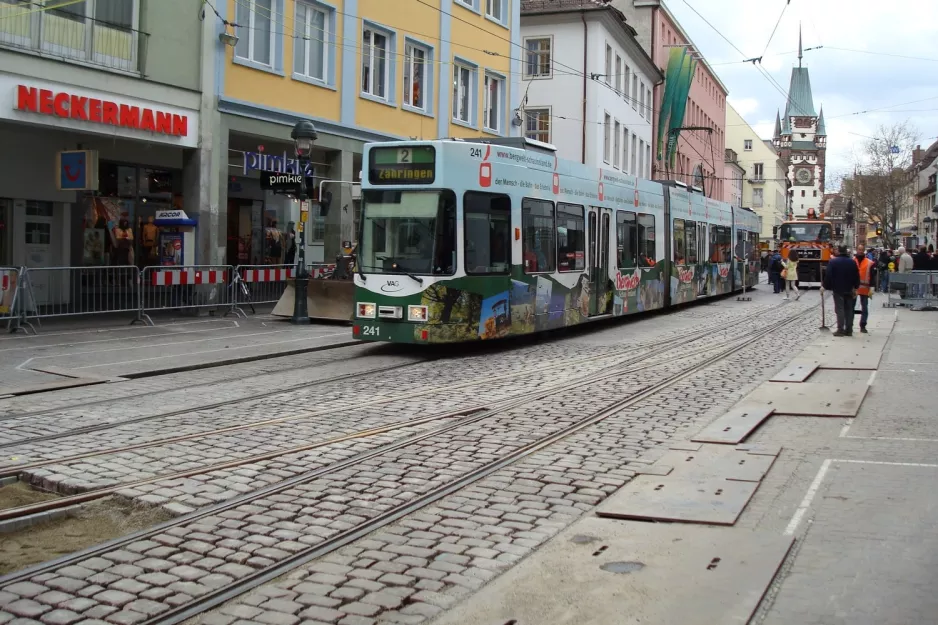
(811, 239)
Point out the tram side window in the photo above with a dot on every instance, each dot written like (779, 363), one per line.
(646, 240)
(680, 256)
(690, 234)
(701, 242)
(714, 245)
(724, 241)
(537, 223)
(488, 232)
(753, 246)
(626, 239)
(571, 237)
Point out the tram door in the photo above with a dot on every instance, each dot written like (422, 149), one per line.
(600, 222)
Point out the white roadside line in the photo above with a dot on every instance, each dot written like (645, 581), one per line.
(816, 485)
(168, 326)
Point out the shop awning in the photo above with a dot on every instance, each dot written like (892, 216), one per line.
(173, 218)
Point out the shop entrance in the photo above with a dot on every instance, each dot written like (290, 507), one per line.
(37, 245)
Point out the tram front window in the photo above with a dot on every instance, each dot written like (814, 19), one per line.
(408, 232)
(805, 233)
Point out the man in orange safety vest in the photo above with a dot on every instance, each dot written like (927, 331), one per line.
(865, 266)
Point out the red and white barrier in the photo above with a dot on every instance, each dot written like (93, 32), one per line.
(268, 275)
(180, 277)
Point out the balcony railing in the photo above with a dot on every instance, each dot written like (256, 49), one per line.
(73, 37)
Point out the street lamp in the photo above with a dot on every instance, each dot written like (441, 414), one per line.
(303, 135)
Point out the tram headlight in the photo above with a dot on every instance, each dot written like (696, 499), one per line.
(417, 313)
(367, 311)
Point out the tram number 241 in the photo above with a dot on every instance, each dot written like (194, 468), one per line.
(371, 330)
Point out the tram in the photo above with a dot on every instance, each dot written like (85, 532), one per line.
(466, 240)
(811, 238)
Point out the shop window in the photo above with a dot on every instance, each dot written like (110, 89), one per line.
(38, 233)
(487, 233)
(416, 61)
(537, 224)
(626, 239)
(571, 237)
(258, 32)
(312, 49)
(494, 103)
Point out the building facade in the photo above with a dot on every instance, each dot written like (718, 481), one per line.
(764, 180)
(925, 163)
(733, 189)
(360, 70)
(699, 152)
(579, 46)
(119, 80)
(801, 139)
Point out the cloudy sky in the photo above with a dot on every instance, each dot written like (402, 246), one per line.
(853, 71)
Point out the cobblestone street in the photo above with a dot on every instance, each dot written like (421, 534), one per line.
(351, 465)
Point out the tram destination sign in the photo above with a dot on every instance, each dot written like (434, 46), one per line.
(402, 165)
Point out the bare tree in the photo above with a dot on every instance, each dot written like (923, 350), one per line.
(879, 186)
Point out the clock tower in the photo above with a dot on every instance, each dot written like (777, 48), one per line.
(801, 140)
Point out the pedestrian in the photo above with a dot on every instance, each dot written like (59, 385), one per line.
(883, 268)
(842, 279)
(775, 271)
(867, 278)
(904, 261)
(790, 275)
(921, 260)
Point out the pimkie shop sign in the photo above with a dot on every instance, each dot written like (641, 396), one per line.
(68, 105)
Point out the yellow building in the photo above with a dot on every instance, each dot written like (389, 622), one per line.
(360, 70)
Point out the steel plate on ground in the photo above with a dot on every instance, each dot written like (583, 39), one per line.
(735, 425)
(844, 355)
(761, 449)
(722, 462)
(646, 574)
(798, 370)
(712, 500)
(807, 399)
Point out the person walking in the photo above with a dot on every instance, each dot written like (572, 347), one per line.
(921, 260)
(775, 270)
(904, 261)
(842, 279)
(883, 267)
(867, 278)
(791, 275)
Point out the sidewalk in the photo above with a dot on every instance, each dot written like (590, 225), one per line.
(65, 356)
(840, 524)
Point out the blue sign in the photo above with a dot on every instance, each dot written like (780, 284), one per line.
(77, 170)
(894, 149)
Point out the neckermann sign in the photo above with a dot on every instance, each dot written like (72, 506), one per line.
(71, 107)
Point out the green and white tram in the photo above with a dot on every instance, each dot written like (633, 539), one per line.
(463, 240)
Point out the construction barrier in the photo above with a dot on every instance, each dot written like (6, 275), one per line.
(915, 289)
(259, 284)
(47, 292)
(180, 288)
(9, 291)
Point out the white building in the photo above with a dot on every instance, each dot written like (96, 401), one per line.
(588, 84)
(734, 174)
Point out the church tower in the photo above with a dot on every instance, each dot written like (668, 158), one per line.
(801, 141)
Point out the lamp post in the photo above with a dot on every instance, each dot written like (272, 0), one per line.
(303, 135)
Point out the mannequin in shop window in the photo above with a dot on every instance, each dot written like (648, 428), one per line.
(150, 239)
(124, 243)
(274, 244)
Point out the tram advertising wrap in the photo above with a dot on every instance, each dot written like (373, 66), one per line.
(465, 240)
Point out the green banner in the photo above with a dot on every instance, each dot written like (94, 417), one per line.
(678, 77)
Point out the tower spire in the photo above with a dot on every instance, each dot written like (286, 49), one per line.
(799, 44)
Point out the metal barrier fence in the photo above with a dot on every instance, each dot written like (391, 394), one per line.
(913, 289)
(178, 288)
(32, 294)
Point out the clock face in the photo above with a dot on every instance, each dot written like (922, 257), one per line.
(803, 176)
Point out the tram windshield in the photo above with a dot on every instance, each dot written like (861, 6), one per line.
(805, 232)
(408, 232)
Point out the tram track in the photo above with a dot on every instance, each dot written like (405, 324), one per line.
(632, 365)
(13, 470)
(327, 545)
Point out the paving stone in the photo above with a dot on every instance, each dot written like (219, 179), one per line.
(54, 597)
(239, 610)
(65, 584)
(178, 599)
(60, 617)
(396, 579)
(215, 581)
(100, 611)
(26, 608)
(319, 613)
(126, 617)
(354, 619)
(146, 606)
(142, 545)
(77, 572)
(326, 602)
(187, 573)
(26, 589)
(216, 618)
(383, 599)
(155, 564)
(315, 589)
(158, 579)
(157, 593)
(129, 585)
(278, 618)
(189, 588)
(348, 593)
(281, 605)
(361, 609)
(124, 557)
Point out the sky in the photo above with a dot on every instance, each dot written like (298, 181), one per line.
(861, 78)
